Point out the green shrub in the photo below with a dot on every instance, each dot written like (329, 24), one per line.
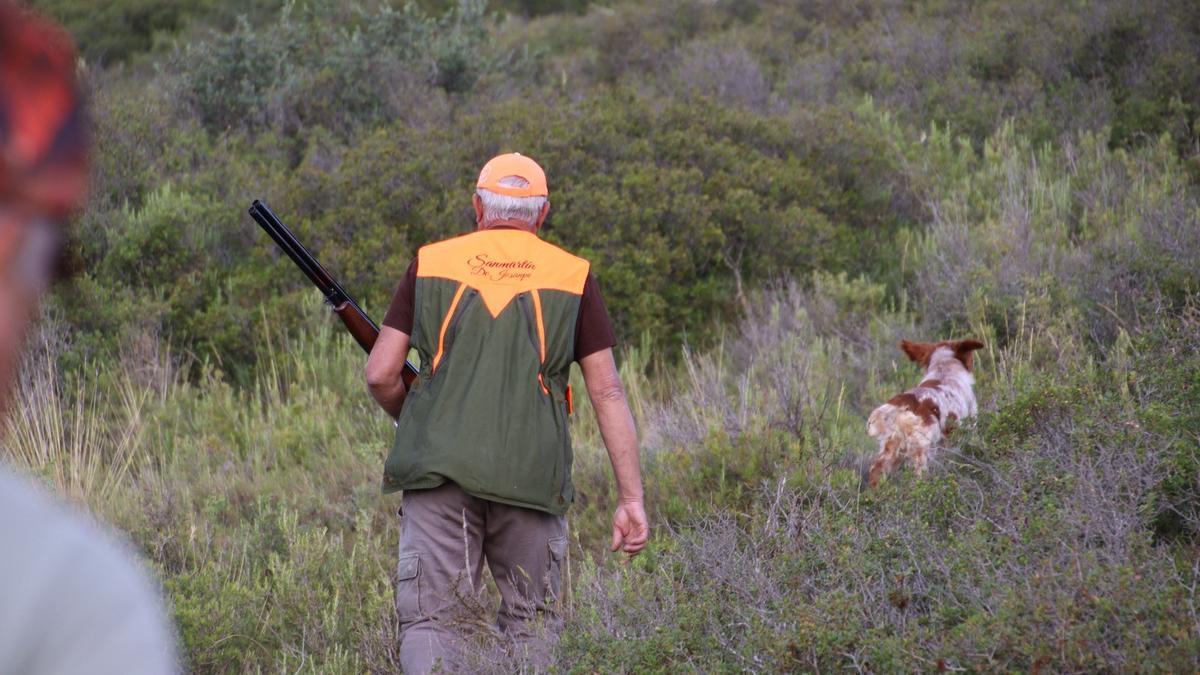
(321, 64)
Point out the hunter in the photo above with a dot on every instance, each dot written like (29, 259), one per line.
(482, 450)
(72, 598)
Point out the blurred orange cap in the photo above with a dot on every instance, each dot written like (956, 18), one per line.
(43, 130)
(513, 164)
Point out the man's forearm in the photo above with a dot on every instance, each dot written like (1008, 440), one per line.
(390, 397)
(620, 437)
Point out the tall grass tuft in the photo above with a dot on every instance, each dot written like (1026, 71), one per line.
(82, 440)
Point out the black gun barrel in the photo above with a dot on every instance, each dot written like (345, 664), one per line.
(312, 268)
(266, 218)
(271, 224)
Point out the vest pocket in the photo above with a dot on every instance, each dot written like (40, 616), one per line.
(408, 588)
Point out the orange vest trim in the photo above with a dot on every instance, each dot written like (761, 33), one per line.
(541, 329)
(502, 264)
(441, 349)
(541, 324)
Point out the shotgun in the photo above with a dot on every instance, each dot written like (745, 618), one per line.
(361, 327)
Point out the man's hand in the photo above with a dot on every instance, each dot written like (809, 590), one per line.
(630, 529)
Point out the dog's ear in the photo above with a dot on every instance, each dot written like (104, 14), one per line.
(964, 351)
(967, 345)
(919, 352)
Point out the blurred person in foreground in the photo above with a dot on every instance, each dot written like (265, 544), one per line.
(482, 449)
(71, 599)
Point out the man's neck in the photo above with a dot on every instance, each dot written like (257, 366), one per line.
(507, 225)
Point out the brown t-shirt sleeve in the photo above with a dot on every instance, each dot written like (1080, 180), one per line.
(593, 328)
(400, 313)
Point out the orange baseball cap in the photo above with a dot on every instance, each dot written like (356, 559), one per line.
(513, 164)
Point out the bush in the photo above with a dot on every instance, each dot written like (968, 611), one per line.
(671, 221)
(323, 65)
(1083, 226)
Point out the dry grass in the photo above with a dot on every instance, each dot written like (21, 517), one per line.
(83, 442)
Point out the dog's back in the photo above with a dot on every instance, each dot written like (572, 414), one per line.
(911, 424)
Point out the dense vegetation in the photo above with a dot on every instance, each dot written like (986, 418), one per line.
(772, 194)
(693, 148)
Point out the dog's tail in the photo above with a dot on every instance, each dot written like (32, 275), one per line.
(882, 421)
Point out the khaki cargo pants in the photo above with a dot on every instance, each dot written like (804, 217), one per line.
(445, 536)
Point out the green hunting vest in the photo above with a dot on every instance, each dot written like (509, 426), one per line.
(494, 323)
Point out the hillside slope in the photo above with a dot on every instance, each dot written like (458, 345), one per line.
(774, 194)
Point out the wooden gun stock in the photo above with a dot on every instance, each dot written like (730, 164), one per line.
(360, 329)
(365, 333)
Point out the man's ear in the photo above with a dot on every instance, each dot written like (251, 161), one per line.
(542, 216)
(478, 204)
(919, 352)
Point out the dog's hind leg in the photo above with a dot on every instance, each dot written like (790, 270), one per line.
(920, 446)
(919, 456)
(886, 460)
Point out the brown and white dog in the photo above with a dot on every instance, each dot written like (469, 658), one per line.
(911, 424)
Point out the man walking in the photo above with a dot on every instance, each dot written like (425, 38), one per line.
(482, 449)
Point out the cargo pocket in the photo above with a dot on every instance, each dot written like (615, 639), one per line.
(554, 579)
(408, 588)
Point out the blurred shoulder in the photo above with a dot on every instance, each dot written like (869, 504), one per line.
(73, 598)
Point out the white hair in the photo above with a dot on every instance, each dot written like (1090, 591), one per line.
(503, 207)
